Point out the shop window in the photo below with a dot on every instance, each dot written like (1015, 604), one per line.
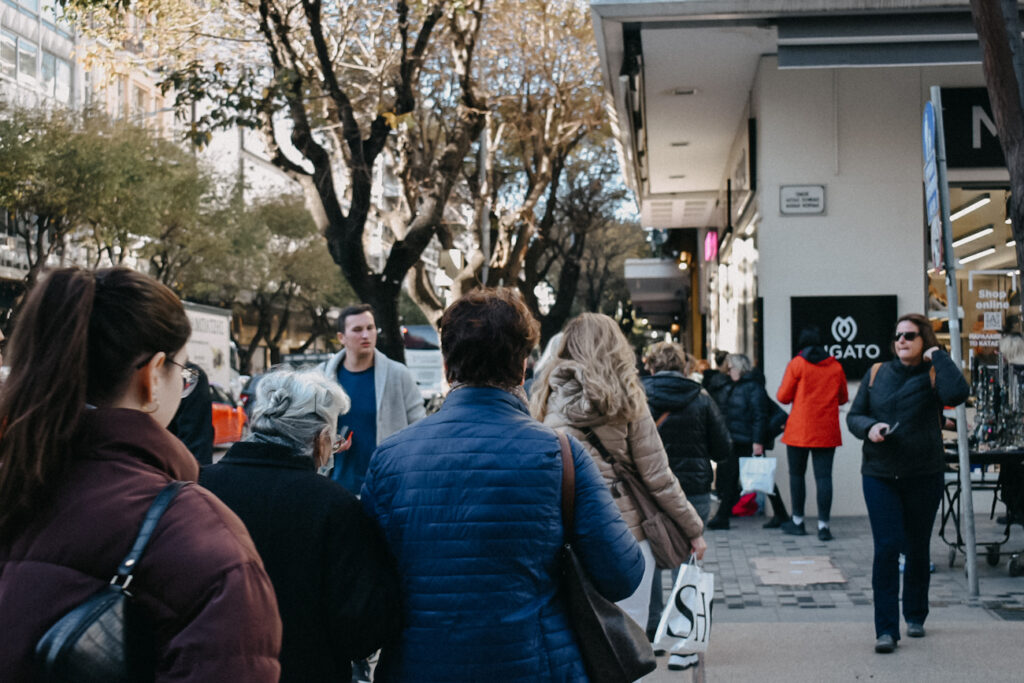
(8, 54)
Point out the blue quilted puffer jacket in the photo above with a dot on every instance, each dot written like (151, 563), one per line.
(470, 503)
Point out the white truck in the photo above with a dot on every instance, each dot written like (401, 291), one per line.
(209, 347)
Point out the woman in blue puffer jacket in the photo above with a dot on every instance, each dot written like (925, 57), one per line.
(470, 503)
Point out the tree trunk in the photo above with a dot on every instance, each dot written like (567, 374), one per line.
(998, 27)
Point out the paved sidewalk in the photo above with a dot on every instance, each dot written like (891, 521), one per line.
(825, 631)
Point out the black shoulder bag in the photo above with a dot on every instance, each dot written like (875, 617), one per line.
(106, 639)
(613, 646)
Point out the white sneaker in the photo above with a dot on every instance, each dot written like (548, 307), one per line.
(682, 662)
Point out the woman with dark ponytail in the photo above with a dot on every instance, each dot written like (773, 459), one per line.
(97, 372)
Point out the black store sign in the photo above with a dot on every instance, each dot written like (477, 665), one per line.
(970, 129)
(857, 330)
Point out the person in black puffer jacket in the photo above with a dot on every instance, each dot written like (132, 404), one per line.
(717, 381)
(898, 414)
(693, 432)
(691, 426)
(745, 407)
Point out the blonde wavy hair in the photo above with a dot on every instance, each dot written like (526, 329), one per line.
(597, 344)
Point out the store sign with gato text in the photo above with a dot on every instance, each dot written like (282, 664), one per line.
(857, 330)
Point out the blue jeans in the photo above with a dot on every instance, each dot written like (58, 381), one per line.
(902, 514)
(821, 458)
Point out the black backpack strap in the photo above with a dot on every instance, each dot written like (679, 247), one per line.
(596, 443)
(149, 522)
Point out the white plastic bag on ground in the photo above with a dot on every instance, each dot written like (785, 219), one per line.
(685, 625)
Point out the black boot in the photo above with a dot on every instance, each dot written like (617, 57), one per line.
(718, 522)
(775, 522)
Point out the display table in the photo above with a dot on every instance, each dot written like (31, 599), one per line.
(993, 548)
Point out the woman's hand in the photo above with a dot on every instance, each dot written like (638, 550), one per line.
(928, 354)
(758, 449)
(877, 432)
(698, 546)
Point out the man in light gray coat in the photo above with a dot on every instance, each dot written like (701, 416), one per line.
(384, 394)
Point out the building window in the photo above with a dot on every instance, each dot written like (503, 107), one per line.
(31, 5)
(62, 86)
(8, 54)
(122, 109)
(138, 102)
(27, 55)
(56, 77)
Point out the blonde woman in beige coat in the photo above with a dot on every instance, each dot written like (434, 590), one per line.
(592, 383)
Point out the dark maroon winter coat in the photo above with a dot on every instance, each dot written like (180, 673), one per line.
(200, 578)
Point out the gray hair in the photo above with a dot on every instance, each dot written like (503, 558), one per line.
(293, 406)
(740, 362)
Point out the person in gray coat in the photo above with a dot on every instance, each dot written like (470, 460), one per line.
(384, 394)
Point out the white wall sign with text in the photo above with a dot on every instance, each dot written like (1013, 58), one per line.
(802, 199)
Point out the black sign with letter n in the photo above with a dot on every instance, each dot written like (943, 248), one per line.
(970, 129)
(855, 329)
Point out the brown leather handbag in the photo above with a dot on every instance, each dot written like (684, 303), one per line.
(614, 647)
(669, 545)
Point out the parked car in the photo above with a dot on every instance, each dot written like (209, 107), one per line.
(229, 417)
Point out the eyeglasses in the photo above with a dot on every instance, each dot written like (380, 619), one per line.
(909, 336)
(189, 378)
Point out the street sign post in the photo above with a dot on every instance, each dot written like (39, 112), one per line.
(931, 184)
(963, 453)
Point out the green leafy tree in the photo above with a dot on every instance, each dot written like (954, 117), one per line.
(269, 264)
(79, 177)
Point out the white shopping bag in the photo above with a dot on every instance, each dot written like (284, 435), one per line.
(757, 474)
(685, 625)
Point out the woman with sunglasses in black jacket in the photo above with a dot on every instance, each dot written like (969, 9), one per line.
(898, 414)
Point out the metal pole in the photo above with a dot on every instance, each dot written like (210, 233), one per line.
(964, 456)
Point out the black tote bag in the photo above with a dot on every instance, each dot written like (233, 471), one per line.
(614, 647)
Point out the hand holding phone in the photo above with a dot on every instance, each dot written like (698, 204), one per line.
(887, 431)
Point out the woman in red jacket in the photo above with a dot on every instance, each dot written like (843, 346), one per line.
(97, 372)
(816, 386)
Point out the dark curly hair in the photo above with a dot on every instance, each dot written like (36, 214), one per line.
(486, 336)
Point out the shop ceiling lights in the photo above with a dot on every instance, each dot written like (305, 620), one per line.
(1011, 243)
(971, 236)
(977, 255)
(976, 203)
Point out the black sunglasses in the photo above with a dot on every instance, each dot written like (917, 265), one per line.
(909, 336)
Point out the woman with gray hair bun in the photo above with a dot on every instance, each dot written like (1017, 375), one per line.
(336, 582)
(299, 410)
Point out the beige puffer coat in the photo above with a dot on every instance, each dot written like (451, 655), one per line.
(637, 444)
